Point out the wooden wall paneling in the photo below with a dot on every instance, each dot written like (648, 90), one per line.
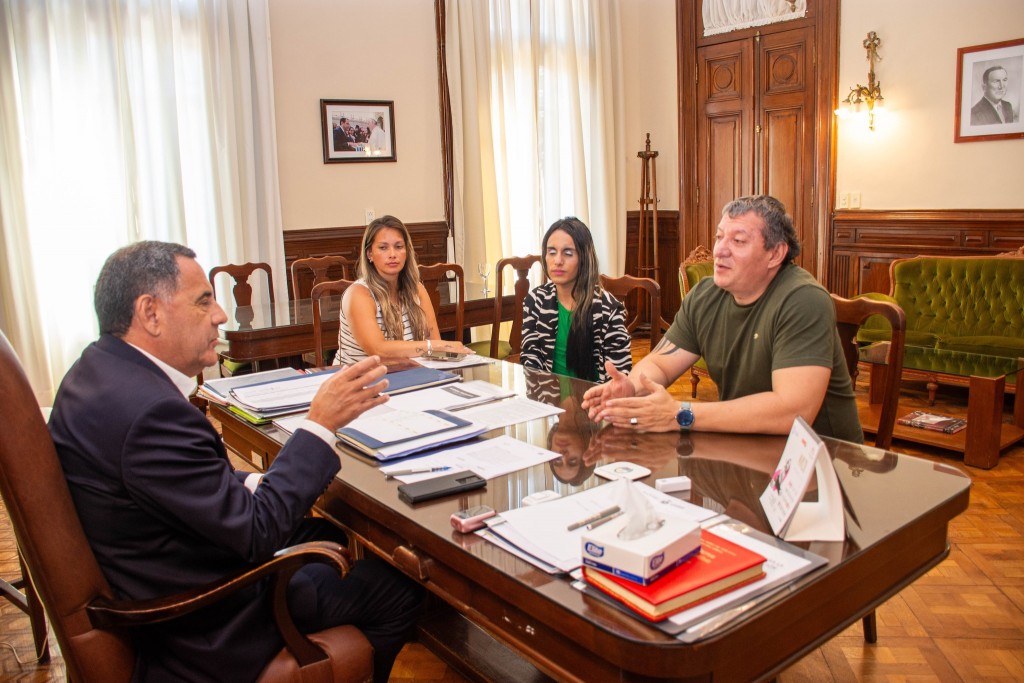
(429, 239)
(669, 238)
(865, 242)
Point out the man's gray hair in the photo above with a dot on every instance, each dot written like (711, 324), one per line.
(778, 226)
(142, 268)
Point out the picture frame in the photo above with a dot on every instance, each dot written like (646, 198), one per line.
(358, 130)
(989, 112)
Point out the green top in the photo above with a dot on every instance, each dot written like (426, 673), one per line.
(793, 324)
(561, 341)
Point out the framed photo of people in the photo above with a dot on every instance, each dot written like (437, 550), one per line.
(989, 90)
(358, 130)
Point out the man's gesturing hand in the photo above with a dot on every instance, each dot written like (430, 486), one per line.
(348, 394)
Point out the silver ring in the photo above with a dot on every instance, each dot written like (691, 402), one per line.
(633, 421)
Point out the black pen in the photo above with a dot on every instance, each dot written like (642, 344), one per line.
(415, 470)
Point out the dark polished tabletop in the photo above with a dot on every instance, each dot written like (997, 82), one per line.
(897, 511)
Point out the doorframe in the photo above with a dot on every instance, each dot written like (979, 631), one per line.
(823, 16)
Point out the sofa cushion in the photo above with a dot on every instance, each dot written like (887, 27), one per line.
(961, 297)
(1011, 347)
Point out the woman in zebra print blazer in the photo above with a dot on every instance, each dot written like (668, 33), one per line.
(570, 325)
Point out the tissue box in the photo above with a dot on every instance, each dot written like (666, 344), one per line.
(643, 559)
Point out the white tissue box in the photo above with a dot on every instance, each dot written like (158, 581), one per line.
(643, 559)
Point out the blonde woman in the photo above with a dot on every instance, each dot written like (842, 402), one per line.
(387, 311)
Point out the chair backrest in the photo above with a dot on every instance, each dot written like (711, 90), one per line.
(522, 266)
(324, 268)
(620, 287)
(700, 263)
(433, 276)
(320, 290)
(242, 291)
(850, 315)
(60, 562)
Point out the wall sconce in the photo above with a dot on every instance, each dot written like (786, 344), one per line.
(871, 95)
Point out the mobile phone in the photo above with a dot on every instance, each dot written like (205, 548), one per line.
(445, 355)
(446, 485)
(472, 518)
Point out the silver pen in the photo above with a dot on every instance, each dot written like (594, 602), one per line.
(608, 512)
(603, 520)
(415, 470)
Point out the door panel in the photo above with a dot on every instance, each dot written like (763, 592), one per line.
(725, 130)
(755, 130)
(786, 110)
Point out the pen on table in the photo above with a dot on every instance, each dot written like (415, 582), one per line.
(594, 518)
(594, 525)
(415, 470)
(474, 404)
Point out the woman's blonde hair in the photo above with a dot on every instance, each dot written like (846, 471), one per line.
(408, 282)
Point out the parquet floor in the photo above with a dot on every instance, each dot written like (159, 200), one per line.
(963, 621)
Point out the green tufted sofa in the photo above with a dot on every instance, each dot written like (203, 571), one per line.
(961, 303)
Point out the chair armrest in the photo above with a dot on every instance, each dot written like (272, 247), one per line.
(108, 613)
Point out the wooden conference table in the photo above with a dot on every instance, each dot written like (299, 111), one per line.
(264, 332)
(497, 617)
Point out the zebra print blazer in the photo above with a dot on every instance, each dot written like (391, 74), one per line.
(540, 326)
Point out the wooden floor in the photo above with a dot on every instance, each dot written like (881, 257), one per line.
(963, 621)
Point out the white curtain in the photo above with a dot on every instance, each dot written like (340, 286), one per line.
(721, 16)
(537, 118)
(122, 121)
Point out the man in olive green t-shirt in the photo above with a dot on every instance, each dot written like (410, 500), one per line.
(765, 328)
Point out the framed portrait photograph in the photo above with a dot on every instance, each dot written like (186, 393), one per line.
(358, 130)
(989, 90)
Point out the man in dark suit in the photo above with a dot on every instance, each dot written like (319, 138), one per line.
(162, 507)
(992, 108)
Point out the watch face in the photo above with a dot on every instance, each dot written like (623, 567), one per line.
(684, 417)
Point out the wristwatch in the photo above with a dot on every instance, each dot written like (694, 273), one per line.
(685, 416)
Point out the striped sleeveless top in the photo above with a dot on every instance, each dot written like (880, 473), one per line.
(349, 351)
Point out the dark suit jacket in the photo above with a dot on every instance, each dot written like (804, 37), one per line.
(164, 511)
(984, 113)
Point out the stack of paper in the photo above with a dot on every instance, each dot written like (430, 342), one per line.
(397, 433)
(545, 534)
(263, 400)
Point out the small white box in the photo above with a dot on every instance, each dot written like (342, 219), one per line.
(670, 484)
(643, 559)
(540, 497)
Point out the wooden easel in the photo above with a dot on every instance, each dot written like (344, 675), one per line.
(647, 236)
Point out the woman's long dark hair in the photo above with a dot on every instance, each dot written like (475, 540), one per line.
(580, 356)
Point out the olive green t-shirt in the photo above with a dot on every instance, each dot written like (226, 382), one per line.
(793, 324)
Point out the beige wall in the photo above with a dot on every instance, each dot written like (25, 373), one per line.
(381, 50)
(649, 66)
(910, 161)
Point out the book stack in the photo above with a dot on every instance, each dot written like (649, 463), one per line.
(719, 567)
(933, 422)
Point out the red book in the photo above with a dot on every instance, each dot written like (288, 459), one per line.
(719, 567)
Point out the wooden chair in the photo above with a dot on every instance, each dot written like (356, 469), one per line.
(850, 315)
(432, 277)
(94, 629)
(242, 294)
(324, 268)
(495, 346)
(22, 594)
(620, 288)
(696, 266)
(320, 290)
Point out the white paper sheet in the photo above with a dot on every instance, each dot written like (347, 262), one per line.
(542, 530)
(489, 458)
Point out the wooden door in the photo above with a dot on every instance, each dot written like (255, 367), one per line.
(755, 128)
